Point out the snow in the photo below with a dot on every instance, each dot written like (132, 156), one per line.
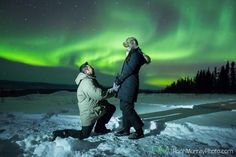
(29, 133)
(207, 135)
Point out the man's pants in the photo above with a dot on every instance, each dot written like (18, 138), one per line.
(86, 130)
(130, 117)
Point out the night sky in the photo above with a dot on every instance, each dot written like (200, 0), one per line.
(181, 36)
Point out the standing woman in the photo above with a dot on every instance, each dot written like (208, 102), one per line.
(128, 81)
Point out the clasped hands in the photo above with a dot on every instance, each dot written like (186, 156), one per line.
(114, 88)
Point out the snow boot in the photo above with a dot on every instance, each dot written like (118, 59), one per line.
(103, 131)
(136, 135)
(59, 133)
(122, 132)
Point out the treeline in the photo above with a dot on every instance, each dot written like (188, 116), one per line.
(18, 88)
(220, 80)
(22, 92)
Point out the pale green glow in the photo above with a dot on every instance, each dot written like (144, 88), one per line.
(200, 32)
(159, 81)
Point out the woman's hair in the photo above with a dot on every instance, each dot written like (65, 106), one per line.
(131, 42)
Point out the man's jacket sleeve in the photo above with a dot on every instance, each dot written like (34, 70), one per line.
(93, 91)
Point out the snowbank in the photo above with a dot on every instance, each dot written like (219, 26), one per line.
(26, 124)
(32, 133)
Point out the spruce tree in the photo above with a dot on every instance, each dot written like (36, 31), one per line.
(227, 77)
(232, 73)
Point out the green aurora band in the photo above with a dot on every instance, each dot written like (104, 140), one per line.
(171, 32)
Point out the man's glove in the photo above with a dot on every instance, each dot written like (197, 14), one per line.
(115, 87)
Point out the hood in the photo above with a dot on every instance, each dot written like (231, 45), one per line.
(147, 58)
(80, 77)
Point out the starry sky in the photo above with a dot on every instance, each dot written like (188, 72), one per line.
(181, 36)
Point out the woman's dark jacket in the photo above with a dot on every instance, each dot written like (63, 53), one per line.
(129, 77)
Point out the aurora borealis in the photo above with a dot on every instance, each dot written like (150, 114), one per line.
(180, 36)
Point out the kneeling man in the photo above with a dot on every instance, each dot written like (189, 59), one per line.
(92, 105)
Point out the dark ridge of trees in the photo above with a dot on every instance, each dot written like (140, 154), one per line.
(18, 88)
(220, 80)
(22, 92)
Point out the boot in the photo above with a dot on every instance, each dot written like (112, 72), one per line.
(122, 132)
(59, 133)
(136, 135)
(102, 131)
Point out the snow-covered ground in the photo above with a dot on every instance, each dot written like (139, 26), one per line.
(26, 124)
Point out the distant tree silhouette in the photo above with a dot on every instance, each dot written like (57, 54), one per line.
(182, 85)
(215, 78)
(232, 74)
(1, 95)
(221, 84)
(227, 77)
(205, 81)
